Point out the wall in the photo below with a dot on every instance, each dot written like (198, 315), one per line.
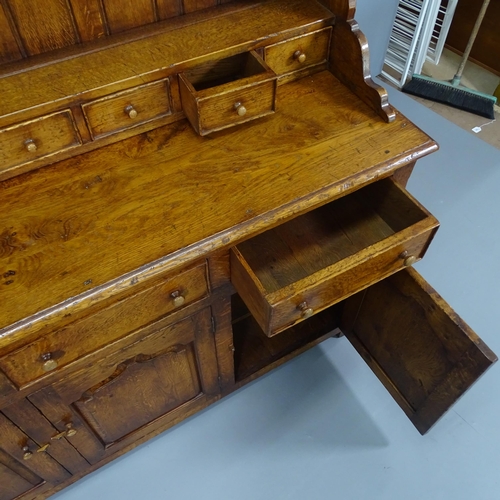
(375, 18)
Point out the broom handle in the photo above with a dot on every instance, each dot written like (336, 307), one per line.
(472, 39)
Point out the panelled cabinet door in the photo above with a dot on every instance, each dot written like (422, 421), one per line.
(24, 470)
(425, 355)
(150, 384)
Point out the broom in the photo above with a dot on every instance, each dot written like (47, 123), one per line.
(452, 93)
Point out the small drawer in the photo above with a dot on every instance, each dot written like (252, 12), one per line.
(295, 270)
(44, 136)
(128, 109)
(298, 53)
(228, 92)
(86, 335)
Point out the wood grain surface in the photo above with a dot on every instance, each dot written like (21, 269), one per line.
(109, 212)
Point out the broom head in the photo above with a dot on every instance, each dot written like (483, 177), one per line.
(452, 95)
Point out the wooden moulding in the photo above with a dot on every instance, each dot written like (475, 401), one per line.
(301, 267)
(228, 92)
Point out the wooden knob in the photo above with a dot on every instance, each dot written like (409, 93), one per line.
(307, 311)
(30, 145)
(179, 299)
(70, 431)
(300, 56)
(240, 109)
(49, 364)
(131, 112)
(27, 453)
(410, 260)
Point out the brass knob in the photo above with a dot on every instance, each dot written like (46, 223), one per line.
(131, 112)
(179, 299)
(43, 448)
(408, 260)
(70, 431)
(49, 363)
(300, 56)
(240, 109)
(30, 145)
(307, 311)
(27, 453)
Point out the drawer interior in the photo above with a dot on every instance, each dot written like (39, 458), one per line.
(321, 238)
(255, 352)
(215, 73)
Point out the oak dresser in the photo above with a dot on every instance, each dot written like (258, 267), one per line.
(192, 193)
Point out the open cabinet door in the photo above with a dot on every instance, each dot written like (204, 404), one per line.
(424, 354)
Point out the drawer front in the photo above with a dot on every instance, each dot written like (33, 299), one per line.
(128, 109)
(298, 53)
(223, 111)
(336, 286)
(293, 271)
(64, 346)
(38, 138)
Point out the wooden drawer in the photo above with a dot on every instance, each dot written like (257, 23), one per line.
(128, 109)
(298, 53)
(62, 347)
(44, 136)
(297, 269)
(224, 93)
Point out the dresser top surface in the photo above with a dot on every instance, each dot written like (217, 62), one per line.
(167, 197)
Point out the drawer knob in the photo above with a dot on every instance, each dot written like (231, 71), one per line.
(131, 112)
(49, 364)
(43, 448)
(240, 109)
(30, 145)
(307, 311)
(27, 454)
(300, 56)
(179, 299)
(408, 260)
(70, 431)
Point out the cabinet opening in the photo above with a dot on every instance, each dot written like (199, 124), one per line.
(325, 236)
(215, 73)
(255, 352)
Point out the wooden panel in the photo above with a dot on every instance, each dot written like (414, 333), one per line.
(350, 63)
(344, 9)
(425, 355)
(43, 25)
(160, 376)
(31, 422)
(123, 15)
(194, 5)
(89, 19)
(169, 8)
(128, 109)
(15, 479)
(9, 50)
(28, 141)
(39, 467)
(308, 153)
(486, 47)
(97, 330)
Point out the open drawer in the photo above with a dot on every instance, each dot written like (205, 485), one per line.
(424, 354)
(299, 268)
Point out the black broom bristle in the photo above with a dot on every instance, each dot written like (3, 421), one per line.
(453, 96)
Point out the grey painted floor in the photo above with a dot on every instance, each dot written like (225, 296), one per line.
(322, 426)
